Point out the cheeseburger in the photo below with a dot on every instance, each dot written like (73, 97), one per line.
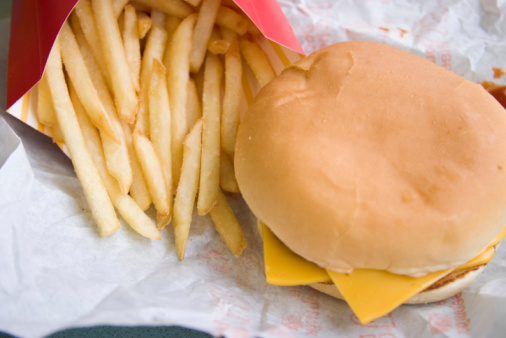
(378, 177)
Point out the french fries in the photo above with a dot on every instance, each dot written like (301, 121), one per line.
(132, 44)
(127, 207)
(159, 122)
(203, 29)
(116, 61)
(151, 108)
(178, 65)
(153, 173)
(79, 76)
(45, 108)
(232, 93)
(210, 164)
(155, 45)
(187, 188)
(227, 226)
(257, 61)
(86, 171)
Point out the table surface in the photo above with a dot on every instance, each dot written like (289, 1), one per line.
(100, 331)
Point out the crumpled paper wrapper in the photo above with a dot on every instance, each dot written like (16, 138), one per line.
(56, 273)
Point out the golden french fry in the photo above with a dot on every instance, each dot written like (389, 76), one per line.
(56, 133)
(232, 93)
(155, 46)
(253, 29)
(232, 20)
(170, 7)
(118, 6)
(171, 24)
(152, 172)
(257, 61)
(80, 78)
(178, 73)
(86, 171)
(194, 3)
(132, 44)
(45, 109)
(116, 154)
(138, 189)
(227, 174)
(126, 206)
(203, 29)
(216, 45)
(159, 122)
(227, 226)
(187, 188)
(193, 110)
(116, 61)
(83, 15)
(158, 18)
(144, 23)
(209, 185)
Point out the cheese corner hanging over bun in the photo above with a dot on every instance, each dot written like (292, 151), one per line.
(365, 156)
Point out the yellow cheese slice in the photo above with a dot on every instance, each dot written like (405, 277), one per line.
(284, 267)
(370, 293)
(373, 293)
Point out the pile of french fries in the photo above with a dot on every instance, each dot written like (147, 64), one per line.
(145, 95)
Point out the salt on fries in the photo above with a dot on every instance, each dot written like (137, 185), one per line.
(134, 89)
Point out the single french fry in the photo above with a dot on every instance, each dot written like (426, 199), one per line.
(152, 172)
(132, 44)
(57, 134)
(257, 61)
(126, 206)
(116, 61)
(159, 122)
(144, 24)
(227, 174)
(187, 188)
(118, 6)
(138, 189)
(232, 93)
(86, 171)
(158, 18)
(155, 46)
(83, 15)
(227, 226)
(116, 154)
(171, 24)
(253, 29)
(216, 45)
(170, 7)
(45, 109)
(193, 110)
(194, 3)
(203, 29)
(232, 20)
(178, 73)
(209, 185)
(80, 78)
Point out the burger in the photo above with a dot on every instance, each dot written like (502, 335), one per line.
(378, 177)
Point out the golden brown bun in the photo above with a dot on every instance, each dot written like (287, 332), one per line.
(365, 156)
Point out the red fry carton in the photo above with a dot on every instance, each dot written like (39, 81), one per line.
(36, 23)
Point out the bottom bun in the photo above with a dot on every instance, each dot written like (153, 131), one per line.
(444, 288)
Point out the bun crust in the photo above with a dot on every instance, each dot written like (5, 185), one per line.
(365, 156)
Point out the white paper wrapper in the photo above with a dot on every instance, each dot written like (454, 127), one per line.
(56, 273)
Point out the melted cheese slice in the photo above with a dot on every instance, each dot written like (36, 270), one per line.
(370, 293)
(284, 267)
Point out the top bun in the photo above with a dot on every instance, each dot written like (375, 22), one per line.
(365, 156)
